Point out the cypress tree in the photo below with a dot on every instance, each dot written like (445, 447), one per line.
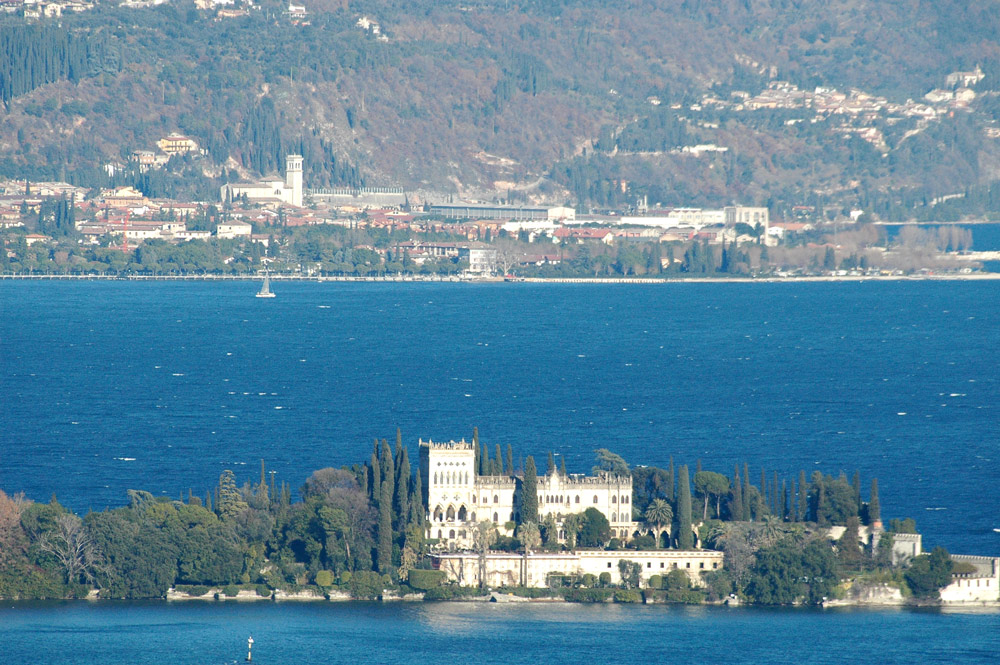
(208, 501)
(403, 489)
(736, 513)
(874, 509)
(384, 546)
(685, 539)
(775, 497)
(387, 479)
(856, 486)
(803, 493)
(817, 506)
(747, 512)
(484, 461)
(510, 461)
(497, 461)
(671, 494)
(784, 501)
(550, 467)
(417, 513)
(376, 484)
(529, 492)
(477, 465)
(763, 488)
(698, 465)
(562, 466)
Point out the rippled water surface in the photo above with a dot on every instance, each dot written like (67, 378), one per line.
(114, 385)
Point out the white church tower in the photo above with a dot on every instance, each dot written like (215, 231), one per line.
(293, 180)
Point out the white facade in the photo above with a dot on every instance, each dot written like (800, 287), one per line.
(747, 215)
(534, 569)
(457, 498)
(233, 230)
(288, 191)
(982, 586)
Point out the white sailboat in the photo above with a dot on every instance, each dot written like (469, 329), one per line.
(265, 288)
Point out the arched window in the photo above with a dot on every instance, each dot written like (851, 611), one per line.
(614, 499)
(614, 517)
(474, 499)
(496, 498)
(462, 514)
(451, 513)
(625, 498)
(578, 498)
(496, 518)
(438, 515)
(435, 477)
(473, 516)
(451, 533)
(439, 534)
(595, 499)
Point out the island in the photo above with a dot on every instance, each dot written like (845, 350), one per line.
(469, 524)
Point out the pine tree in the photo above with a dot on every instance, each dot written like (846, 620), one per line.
(510, 461)
(685, 539)
(874, 509)
(550, 466)
(529, 492)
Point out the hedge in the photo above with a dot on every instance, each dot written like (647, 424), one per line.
(424, 580)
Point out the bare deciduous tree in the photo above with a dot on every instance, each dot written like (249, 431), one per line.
(71, 545)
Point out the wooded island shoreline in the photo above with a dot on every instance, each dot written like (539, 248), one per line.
(468, 526)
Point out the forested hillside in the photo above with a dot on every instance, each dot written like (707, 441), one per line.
(575, 100)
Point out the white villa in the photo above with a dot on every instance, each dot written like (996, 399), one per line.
(457, 498)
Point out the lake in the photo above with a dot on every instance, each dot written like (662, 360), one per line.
(199, 633)
(161, 386)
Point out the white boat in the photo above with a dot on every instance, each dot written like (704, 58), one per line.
(265, 289)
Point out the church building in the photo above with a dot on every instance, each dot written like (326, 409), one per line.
(270, 190)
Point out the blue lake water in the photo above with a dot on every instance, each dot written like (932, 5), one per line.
(108, 386)
(450, 633)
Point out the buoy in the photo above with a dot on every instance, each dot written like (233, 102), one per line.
(249, 649)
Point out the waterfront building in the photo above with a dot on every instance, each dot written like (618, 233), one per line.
(457, 497)
(536, 569)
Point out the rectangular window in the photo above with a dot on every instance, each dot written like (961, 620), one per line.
(649, 564)
(609, 564)
(687, 565)
(661, 564)
(702, 565)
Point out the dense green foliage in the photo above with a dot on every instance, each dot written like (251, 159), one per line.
(562, 91)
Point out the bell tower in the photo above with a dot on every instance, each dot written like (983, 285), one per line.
(293, 180)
